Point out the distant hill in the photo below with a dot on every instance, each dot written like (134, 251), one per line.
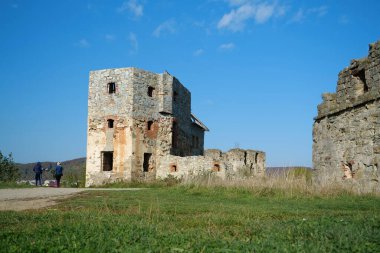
(75, 166)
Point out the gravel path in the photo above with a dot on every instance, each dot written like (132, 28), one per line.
(35, 198)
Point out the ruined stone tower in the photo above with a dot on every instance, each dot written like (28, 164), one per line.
(346, 132)
(134, 118)
(140, 127)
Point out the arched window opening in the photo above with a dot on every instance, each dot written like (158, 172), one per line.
(150, 125)
(173, 168)
(216, 167)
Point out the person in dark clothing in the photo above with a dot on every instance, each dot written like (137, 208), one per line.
(38, 170)
(58, 173)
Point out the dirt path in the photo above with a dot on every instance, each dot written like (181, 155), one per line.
(34, 198)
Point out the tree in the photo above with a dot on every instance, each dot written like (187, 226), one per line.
(8, 170)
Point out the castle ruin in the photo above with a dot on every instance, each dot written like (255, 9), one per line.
(140, 127)
(346, 132)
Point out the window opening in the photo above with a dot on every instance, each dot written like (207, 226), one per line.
(175, 95)
(150, 125)
(111, 88)
(173, 168)
(110, 123)
(147, 161)
(216, 167)
(150, 91)
(347, 170)
(360, 75)
(107, 160)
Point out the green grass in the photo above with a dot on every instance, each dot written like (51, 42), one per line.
(196, 219)
(7, 185)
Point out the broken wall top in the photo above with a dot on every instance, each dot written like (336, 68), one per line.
(130, 96)
(358, 84)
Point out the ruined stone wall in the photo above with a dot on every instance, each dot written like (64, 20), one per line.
(140, 127)
(144, 108)
(103, 106)
(168, 107)
(346, 132)
(182, 128)
(196, 139)
(232, 164)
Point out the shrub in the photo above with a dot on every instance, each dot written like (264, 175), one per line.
(8, 169)
(75, 178)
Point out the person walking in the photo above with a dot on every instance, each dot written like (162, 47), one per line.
(58, 173)
(38, 171)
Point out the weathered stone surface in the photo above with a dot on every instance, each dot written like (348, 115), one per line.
(234, 163)
(346, 132)
(140, 127)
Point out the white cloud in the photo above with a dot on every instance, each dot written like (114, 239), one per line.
(320, 11)
(110, 37)
(264, 12)
(234, 20)
(169, 26)
(133, 7)
(83, 43)
(227, 46)
(298, 17)
(134, 44)
(237, 2)
(198, 52)
(246, 10)
(302, 14)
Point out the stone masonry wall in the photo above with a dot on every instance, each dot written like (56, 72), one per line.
(346, 132)
(143, 130)
(103, 106)
(229, 165)
(144, 109)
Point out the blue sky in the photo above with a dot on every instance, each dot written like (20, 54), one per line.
(256, 69)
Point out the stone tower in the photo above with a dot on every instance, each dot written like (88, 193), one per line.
(346, 132)
(135, 118)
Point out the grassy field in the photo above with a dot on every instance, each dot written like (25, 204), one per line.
(196, 219)
(12, 185)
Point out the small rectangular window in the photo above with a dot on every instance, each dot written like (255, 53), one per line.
(147, 161)
(111, 88)
(107, 160)
(150, 91)
(110, 123)
(175, 95)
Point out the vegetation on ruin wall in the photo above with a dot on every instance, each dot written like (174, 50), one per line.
(196, 219)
